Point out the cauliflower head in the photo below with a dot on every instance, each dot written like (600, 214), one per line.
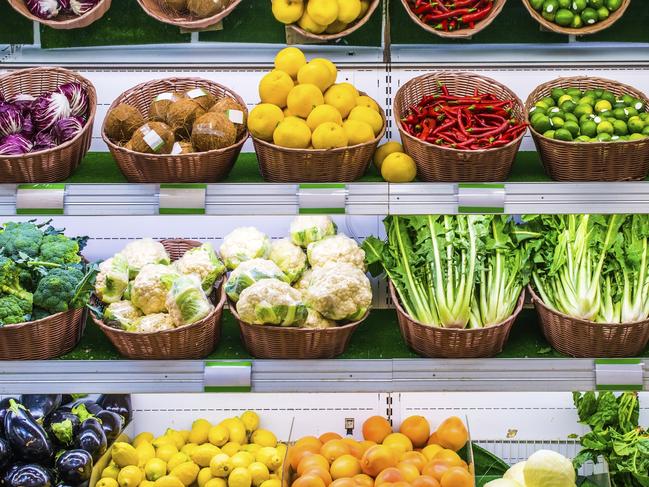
(315, 320)
(339, 292)
(288, 257)
(337, 249)
(243, 244)
(187, 302)
(546, 468)
(152, 323)
(306, 229)
(272, 302)
(248, 273)
(121, 314)
(303, 282)
(112, 279)
(204, 262)
(150, 287)
(142, 252)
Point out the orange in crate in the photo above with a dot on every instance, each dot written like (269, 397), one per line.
(334, 449)
(377, 459)
(417, 429)
(325, 437)
(452, 433)
(345, 466)
(376, 428)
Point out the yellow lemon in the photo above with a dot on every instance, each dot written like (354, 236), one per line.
(329, 135)
(186, 473)
(310, 25)
(259, 473)
(145, 452)
(365, 114)
(250, 418)
(142, 437)
(231, 447)
(350, 87)
(176, 436)
(168, 481)
(287, 11)
(348, 10)
(366, 101)
(240, 477)
(324, 12)
(111, 472)
(333, 71)
(287, 113)
(204, 475)
(176, 459)
(290, 60)
(398, 168)
(291, 119)
(218, 435)
(146, 483)
(269, 457)
(204, 453)
(129, 476)
(319, 115)
(358, 132)
(384, 151)
(335, 27)
(303, 99)
(236, 429)
(107, 482)
(155, 468)
(221, 465)
(316, 74)
(165, 452)
(200, 427)
(272, 483)
(431, 450)
(281, 450)
(188, 448)
(251, 447)
(263, 120)
(184, 434)
(265, 437)
(242, 459)
(216, 482)
(341, 98)
(275, 87)
(163, 440)
(292, 133)
(365, 6)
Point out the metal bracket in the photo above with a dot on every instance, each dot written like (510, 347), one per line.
(481, 198)
(228, 376)
(182, 199)
(619, 374)
(40, 199)
(322, 198)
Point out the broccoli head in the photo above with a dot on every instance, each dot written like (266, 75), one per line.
(10, 279)
(14, 309)
(56, 290)
(59, 249)
(23, 237)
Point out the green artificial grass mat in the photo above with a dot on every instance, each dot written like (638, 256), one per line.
(14, 28)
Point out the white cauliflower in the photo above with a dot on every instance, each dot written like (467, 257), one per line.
(150, 287)
(112, 279)
(243, 244)
(317, 321)
(336, 249)
(303, 282)
(152, 323)
(121, 314)
(306, 229)
(187, 302)
(204, 262)
(272, 302)
(288, 257)
(339, 292)
(142, 252)
(248, 273)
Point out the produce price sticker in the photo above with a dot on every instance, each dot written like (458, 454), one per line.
(228, 376)
(182, 199)
(40, 199)
(619, 374)
(322, 198)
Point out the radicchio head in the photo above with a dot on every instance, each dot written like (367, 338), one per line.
(50, 108)
(11, 120)
(77, 97)
(45, 9)
(67, 129)
(23, 101)
(81, 7)
(44, 141)
(14, 144)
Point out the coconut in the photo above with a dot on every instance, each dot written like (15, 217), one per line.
(213, 131)
(181, 116)
(178, 6)
(203, 97)
(182, 147)
(161, 103)
(122, 121)
(205, 8)
(153, 138)
(233, 111)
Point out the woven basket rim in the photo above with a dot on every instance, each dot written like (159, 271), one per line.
(460, 33)
(193, 24)
(92, 108)
(331, 37)
(61, 24)
(592, 29)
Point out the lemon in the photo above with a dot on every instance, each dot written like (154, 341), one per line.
(349, 87)
(269, 457)
(319, 115)
(146, 483)
(365, 6)
(366, 101)
(221, 465)
(242, 459)
(176, 459)
(348, 10)
(290, 60)
(250, 420)
(324, 12)
(186, 473)
(333, 71)
(216, 482)
(251, 447)
(365, 114)
(342, 98)
(292, 133)
(142, 437)
(129, 476)
(236, 429)
(204, 475)
(240, 477)
(168, 481)
(124, 454)
(184, 434)
(265, 437)
(310, 25)
(316, 74)
(281, 450)
(262, 121)
(107, 482)
(335, 27)
(155, 468)
(231, 447)
(398, 168)
(302, 100)
(291, 119)
(358, 132)
(165, 452)
(188, 448)
(384, 151)
(204, 453)
(111, 472)
(329, 135)
(145, 452)
(163, 440)
(258, 473)
(275, 87)
(287, 113)
(176, 436)
(287, 11)
(218, 435)
(200, 427)
(271, 483)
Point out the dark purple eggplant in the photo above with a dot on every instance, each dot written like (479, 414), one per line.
(83, 484)
(91, 406)
(7, 474)
(111, 423)
(40, 405)
(4, 405)
(27, 438)
(31, 475)
(117, 403)
(62, 426)
(91, 438)
(5, 454)
(74, 467)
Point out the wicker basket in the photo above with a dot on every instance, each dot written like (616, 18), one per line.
(586, 339)
(283, 342)
(433, 342)
(54, 164)
(460, 33)
(199, 167)
(591, 29)
(332, 37)
(343, 165)
(64, 21)
(436, 163)
(593, 161)
(193, 341)
(159, 11)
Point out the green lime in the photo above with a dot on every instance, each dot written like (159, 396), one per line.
(568, 106)
(557, 122)
(536, 110)
(565, 3)
(557, 93)
(613, 5)
(645, 131)
(637, 104)
(608, 115)
(586, 118)
(602, 13)
(536, 4)
(616, 137)
(550, 8)
(592, 93)
(549, 101)
(563, 134)
(571, 127)
(595, 3)
(564, 17)
(637, 136)
(588, 128)
(605, 128)
(628, 100)
(555, 112)
(549, 134)
(583, 109)
(563, 98)
(631, 112)
(620, 127)
(537, 116)
(598, 120)
(577, 23)
(608, 96)
(541, 124)
(541, 104)
(603, 137)
(570, 116)
(619, 104)
(603, 106)
(574, 92)
(643, 116)
(579, 5)
(582, 138)
(636, 125)
(620, 114)
(587, 100)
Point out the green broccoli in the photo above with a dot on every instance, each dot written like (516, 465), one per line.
(10, 280)
(59, 249)
(14, 309)
(17, 238)
(39, 313)
(56, 289)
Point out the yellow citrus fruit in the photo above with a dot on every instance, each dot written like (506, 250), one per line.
(236, 429)
(242, 459)
(333, 71)
(186, 473)
(204, 476)
(146, 436)
(176, 459)
(165, 452)
(366, 101)
(146, 483)
(384, 151)
(324, 12)
(335, 27)
(397, 441)
(200, 427)
(329, 135)
(155, 468)
(107, 482)
(231, 447)
(365, 114)
(269, 457)
(274, 88)
(323, 113)
(145, 452)
(316, 74)
(259, 473)
(399, 168)
(250, 420)
(219, 435)
(348, 10)
(204, 453)
(292, 133)
(341, 98)
(262, 122)
(287, 113)
(358, 132)
(124, 454)
(221, 465)
(303, 99)
(240, 477)
(345, 466)
(264, 438)
(290, 60)
(365, 6)
(168, 481)
(272, 483)
(188, 448)
(177, 437)
(216, 482)
(287, 11)
(352, 89)
(431, 450)
(112, 471)
(129, 476)
(310, 25)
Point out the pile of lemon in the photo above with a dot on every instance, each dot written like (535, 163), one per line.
(318, 16)
(302, 106)
(232, 453)
(394, 164)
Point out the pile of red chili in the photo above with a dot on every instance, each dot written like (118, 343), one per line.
(477, 122)
(450, 15)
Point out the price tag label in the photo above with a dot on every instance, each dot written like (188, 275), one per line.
(322, 198)
(623, 374)
(228, 376)
(481, 198)
(40, 199)
(182, 199)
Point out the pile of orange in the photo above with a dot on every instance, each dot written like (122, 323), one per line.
(411, 457)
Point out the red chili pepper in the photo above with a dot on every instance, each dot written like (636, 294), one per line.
(473, 17)
(443, 87)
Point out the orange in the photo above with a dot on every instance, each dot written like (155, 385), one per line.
(433, 439)
(389, 475)
(364, 480)
(308, 481)
(457, 477)
(399, 442)
(436, 468)
(409, 471)
(416, 458)
(325, 437)
(430, 451)
(417, 429)
(376, 428)
(452, 433)
(323, 473)
(296, 453)
(311, 461)
(376, 459)
(309, 440)
(334, 449)
(343, 483)
(345, 466)
(425, 481)
(365, 445)
(356, 449)
(402, 483)
(450, 456)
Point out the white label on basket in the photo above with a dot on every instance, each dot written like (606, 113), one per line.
(235, 116)
(228, 376)
(165, 96)
(176, 149)
(196, 93)
(619, 374)
(153, 140)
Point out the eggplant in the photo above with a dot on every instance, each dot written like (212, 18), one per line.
(74, 467)
(91, 438)
(91, 406)
(7, 474)
(5, 454)
(62, 426)
(40, 405)
(117, 403)
(4, 405)
(63, 484)
(31, 475)
(27, 438)
(111, 423)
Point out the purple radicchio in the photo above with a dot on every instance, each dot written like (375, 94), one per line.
(28, 125)
(81, 7)
(77, 97)
(45, 9)
(11, 120)
(50, 108)
(15, 144)
(44, 141)
(64, 5)
(67, 129)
